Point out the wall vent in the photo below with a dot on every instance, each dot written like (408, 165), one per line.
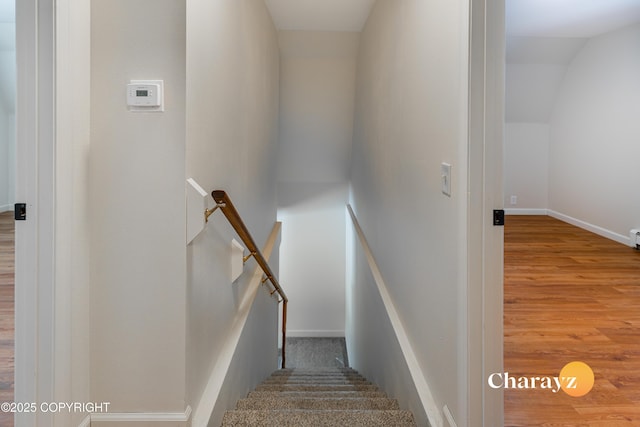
(634, 235)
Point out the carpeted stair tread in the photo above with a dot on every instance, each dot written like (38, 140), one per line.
(318, 394)
(325, 418)
(314, 403)
(323, 371)
(333, 397)
(315, 387)
(331, 380)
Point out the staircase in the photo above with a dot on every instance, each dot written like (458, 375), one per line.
(330, 397)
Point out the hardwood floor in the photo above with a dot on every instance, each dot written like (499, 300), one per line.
(6, 313)
(571, 295)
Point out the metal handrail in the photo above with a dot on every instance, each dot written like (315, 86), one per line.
(223, 202)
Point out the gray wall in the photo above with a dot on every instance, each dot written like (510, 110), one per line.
(594, 149)
(231, 144)
(137, 215)
(7, 110)
(570, 143)
(411, 106)
(316, 126)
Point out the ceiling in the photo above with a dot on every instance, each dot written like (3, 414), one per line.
(7, 10)
(320, 15)
(533, 18)
(569, 18)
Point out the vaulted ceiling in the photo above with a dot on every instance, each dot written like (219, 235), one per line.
(543, 38)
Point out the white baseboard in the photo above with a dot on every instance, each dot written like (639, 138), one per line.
(448, 416)
(516, 211)
(182, 417)
(315, 334)
(6, 208)
(625, 240)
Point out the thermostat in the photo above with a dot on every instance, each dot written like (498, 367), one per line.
(145, 95)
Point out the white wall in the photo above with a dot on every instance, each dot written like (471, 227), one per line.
(313, 257)
(72, 353)
(594, 148)
(411, 106)
(232, 132)
(137, 214)
(5, 203)
(7, 113)
(535, 70)
(526, 171)
(316, 126)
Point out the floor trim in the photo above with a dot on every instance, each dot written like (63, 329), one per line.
(625, 240)
(517, 211)
(143, 416)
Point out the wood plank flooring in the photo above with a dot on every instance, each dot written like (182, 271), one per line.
(571, 295)
(7, 324)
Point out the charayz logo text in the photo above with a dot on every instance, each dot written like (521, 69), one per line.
(504, 380)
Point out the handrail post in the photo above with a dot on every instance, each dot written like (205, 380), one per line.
(284, 331)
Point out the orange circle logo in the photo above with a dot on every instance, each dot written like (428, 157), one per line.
(576, 379)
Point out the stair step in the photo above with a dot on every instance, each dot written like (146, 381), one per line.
(318, 371)
(273, 403)
(329, 380)
(319, 394)
(326, 418)
(315, 387)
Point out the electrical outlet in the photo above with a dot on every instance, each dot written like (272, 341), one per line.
(514, 200)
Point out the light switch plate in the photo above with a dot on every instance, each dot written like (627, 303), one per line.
(445, 176)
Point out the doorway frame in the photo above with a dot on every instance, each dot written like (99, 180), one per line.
(35, 186)
(485, 243)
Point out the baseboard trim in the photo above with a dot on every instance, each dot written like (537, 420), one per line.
(625, 240)
(6, 208)
(142, 416)
(516, 211)
(315, 334)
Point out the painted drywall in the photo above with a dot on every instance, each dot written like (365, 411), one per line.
(535, 70)
(232, 132)
(316, 105)
(594, 150)
(313, 257)
(316, 126)
(526, 170)
(531, 91)
(7, 110)
(411, 108)
(7, 160)
(137, 198)
(73, 231)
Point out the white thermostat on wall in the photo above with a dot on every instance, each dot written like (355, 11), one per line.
(145, 95)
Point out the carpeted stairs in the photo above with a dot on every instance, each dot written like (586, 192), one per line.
(329, 397)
